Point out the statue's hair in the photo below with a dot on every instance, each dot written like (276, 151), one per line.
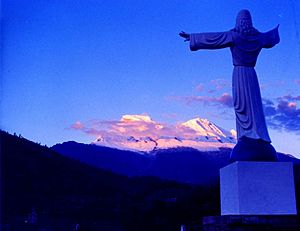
(245, 28)
(244, 24)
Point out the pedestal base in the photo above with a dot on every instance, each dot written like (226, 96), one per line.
(258, 188)
(250, 223)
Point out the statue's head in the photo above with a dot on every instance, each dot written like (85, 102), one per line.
(244, 19)
(244, 23)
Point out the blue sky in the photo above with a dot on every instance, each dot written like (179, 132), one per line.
(66, 61)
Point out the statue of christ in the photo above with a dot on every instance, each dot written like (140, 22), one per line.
(245, 43)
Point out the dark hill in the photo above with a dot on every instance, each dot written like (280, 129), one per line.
(43, 190)
(120, 161)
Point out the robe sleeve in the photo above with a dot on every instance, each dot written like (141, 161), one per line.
(271, 38)
(214, 40)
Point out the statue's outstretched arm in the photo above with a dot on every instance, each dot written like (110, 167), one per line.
(271, 38)
(214, 40)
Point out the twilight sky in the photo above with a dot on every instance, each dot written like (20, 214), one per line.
(68, 65)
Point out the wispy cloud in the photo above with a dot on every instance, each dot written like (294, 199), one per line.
(220, 84)
(224, 100)
(297, 81)
(272, 85)
(284, 113)
(289, 98)
(213, 86)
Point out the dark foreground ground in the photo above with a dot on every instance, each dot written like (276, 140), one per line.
(42, 190)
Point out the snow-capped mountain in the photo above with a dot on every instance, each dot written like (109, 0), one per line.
(141, 133)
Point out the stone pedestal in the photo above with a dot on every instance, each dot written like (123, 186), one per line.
(258, 188)
(251, 223)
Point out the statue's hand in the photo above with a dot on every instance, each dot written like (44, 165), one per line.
(185, 35)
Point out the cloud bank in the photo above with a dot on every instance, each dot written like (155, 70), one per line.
(132, 125)
(283, 114)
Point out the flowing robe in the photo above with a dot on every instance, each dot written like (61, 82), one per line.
(250, 119)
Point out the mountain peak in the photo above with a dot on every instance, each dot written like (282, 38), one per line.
(203, 127)
(141, 133)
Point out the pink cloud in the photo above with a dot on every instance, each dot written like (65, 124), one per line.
(200, 87)
(226, 100)
(288, 108)
(77, 125)
(220, 84)
(129, 126)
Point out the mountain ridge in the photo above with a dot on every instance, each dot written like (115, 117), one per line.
(182, 164)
